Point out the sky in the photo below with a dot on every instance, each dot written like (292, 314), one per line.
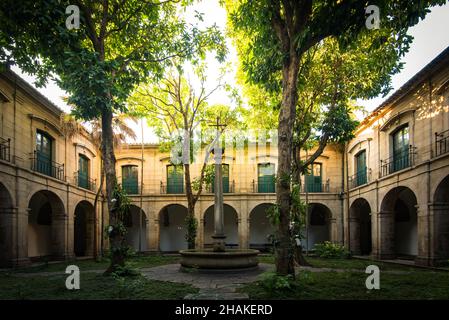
(431, 36)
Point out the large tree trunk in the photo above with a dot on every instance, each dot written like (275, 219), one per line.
(190, 220)
(115, 238)
(284, 252)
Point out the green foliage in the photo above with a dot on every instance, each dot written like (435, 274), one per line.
(272, 282)
(331, 250)
(192, 228)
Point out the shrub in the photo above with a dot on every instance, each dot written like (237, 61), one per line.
(331, 250)
(273, 282)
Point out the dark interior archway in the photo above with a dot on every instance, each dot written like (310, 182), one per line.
(84, 229)
(134, 229)
(260, 228)
(360, 223)
(318, 229)
(172, 230)
(441, 223)
(6, 240)
(46, 225)
(403, 243)
(230, 226)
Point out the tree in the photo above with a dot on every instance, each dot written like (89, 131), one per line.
(176, 109)
(280, 34)
(118, 45)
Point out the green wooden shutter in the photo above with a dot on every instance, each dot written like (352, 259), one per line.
(130, 179)
(83, 172)
(361, 168)
(313, 180)
(225, 179)
(175, 179)
(401, 158)
(266, 178)
(43, 153)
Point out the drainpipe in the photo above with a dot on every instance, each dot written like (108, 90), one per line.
(141, 189)
(347, 193)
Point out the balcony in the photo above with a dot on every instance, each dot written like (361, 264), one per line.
(358, 179)
(441, 143)
(46, 166)
(130, 187)
(5, 147)
(316, 186)
(172, 188)
(83, 181)
(227, 187)
(263, 186)
(399, 161)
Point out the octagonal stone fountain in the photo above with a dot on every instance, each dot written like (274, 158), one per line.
(219, 258)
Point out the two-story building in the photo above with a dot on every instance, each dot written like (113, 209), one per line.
(385, 193)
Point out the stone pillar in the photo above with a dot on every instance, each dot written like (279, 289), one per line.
(199, 241)
(152, 229)
(433, 234)
(8, 222)
(354, 225)
(384, 244)
(243, 225)
(333, 232)
(20, 237)
(58, 235)
(155, 238)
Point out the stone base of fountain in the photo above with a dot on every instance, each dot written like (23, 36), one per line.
(231, 260)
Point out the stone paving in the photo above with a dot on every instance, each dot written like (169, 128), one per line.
(213, 286)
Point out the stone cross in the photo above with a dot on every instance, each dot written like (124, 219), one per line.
(218, 236)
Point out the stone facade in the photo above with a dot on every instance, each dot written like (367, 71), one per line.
(370, 196)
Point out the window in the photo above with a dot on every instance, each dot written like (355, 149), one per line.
(175, 179)
(43, 153)
(266, 178)
(225, 177)
(83, 172)
(360, 164)
(401, 156)
(130, 179)
(313, 179)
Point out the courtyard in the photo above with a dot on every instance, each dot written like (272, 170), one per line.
(158, 278)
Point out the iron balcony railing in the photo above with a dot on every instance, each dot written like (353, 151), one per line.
(82, 180)
(131, 187)
(400, 160)
(5, 147)
(441, 143)
(359, 179)
(263, 186)
(42, 164)
(172, 188)
(228, 187)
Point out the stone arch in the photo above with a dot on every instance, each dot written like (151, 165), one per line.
(6, 237)
(318, 225)
(441, 220)
(133, 227)
(260, 228)
(84, 229)
(172, 228)
(400, 223)
(46, 225)
(360, 227)
(230, 226)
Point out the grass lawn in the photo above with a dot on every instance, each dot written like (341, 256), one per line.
(23, 284)
(396, 282)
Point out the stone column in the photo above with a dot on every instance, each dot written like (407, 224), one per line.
(433, 234)
(354, 225)
(58, 235)
(384, 244)
(152, 229)
(219, 236)
(199, 241)
(8, 241)
(244, 225)
(155, 238)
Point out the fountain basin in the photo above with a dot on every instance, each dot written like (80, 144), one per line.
(229, 260)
